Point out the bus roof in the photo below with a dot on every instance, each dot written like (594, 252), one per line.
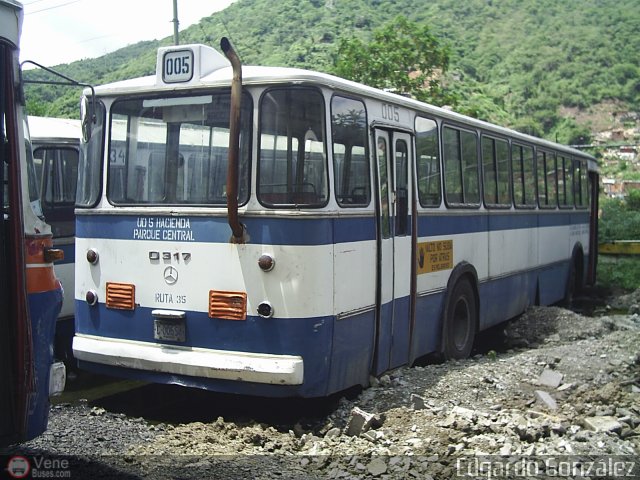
(221, 75)
(50, 128)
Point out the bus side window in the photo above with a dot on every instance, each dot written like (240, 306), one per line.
(57, 167)
(292, 157)
(580, 183)
(552, 179)
(350, 159)
(428, 158)
(568, 178)
(460, 167)
(495, 162)
(402, 191)
(546, 167)
(524, 182)
(565, 181)
(584, 184)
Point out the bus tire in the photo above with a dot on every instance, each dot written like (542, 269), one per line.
(570, 287)
(460, 321)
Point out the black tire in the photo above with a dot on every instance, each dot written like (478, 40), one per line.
(459, 322)
(570, 288)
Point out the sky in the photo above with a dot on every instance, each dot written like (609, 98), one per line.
(63, 31)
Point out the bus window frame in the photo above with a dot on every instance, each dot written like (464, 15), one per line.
(547, 153)
(496, 206)
(323, 117)
(98, 134)
(584, 205)
(44, 179)
(460, 205)
(524, 206)
(438, 123)
(331, 154)
(565, 204)
(246, 96)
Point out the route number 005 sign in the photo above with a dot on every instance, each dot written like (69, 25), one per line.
(177, 66)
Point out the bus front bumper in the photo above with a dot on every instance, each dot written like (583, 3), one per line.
(190, 361)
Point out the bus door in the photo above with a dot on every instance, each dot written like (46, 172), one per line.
(393, 299)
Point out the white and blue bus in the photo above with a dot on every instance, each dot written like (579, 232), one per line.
(56, 150)
(281, 232)
(30, 294)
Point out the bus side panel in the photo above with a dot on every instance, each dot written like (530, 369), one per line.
(354, 302)
(552, 251)
(552, 282)
(352, 352)
(43, 309)
(400, 329)
(428, 325)
(506, 297)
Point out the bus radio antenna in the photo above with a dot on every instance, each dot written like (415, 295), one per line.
(237, 228)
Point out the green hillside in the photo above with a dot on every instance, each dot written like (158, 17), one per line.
(518, 62)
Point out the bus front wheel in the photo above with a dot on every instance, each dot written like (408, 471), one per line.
(460, 321)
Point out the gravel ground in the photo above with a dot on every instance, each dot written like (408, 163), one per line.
(552, 393)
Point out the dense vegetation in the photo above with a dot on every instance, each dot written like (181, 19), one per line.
(516, 62)
(620, 220)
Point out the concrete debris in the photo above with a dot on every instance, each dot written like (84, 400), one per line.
(362, 421)
(545, 399)
(603, 424)
(550, 378)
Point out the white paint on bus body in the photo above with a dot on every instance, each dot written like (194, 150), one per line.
(191, 361)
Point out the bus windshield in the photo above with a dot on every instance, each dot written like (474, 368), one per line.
(173, 150)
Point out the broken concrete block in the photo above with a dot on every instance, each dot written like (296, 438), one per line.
(545, 399)
(603, 424)
(550, 378)
(464, 412)
(362, 421)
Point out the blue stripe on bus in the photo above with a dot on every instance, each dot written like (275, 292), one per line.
(267, 231)
(307, 231)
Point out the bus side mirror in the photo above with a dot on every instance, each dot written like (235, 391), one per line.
(86, 118)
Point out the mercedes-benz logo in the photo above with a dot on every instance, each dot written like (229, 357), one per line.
(170, 275)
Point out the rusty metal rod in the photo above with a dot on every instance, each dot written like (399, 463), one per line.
(234, 142)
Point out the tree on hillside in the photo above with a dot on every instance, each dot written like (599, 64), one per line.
(402, 57)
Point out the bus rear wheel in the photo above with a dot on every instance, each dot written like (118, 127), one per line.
(460, 321)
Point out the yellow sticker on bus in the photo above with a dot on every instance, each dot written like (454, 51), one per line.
(435, 256)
